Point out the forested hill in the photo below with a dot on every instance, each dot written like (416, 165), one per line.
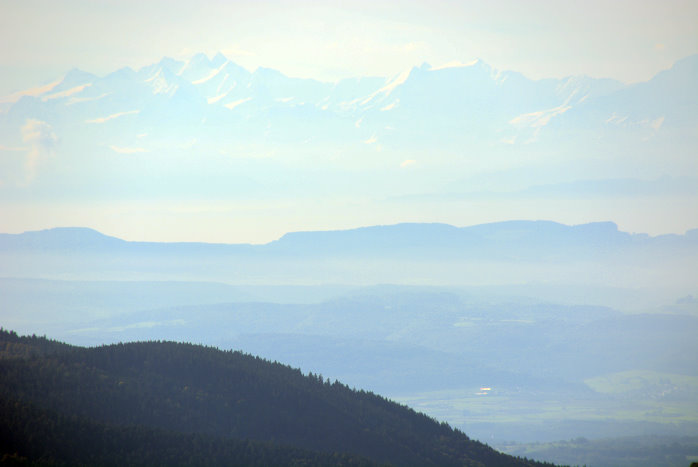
(168, 403)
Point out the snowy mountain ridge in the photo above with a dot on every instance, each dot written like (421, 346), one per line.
(458, 117)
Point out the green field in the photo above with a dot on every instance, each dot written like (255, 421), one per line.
(633, 396)
(643, 382)
(636, 451)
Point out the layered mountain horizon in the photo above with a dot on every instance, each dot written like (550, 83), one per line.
(597, 254)
(425, 145)
(61, 237)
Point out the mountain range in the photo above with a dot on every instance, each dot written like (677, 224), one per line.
(216, 94)
(213, 106)
(213, 143)
(507, 240)
(436, 254)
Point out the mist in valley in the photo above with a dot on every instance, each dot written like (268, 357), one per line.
(484, 213)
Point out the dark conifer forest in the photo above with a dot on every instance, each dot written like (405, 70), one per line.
(166, 403)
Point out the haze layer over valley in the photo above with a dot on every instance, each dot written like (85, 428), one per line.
(509, 331)
(507, 244)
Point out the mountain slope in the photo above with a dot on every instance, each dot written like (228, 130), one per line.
(30, 436)
(196, 390)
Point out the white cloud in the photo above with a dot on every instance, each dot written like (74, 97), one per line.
(232, 105)
(413, 46)
(371, 140)
(42, 142)
(538, 119)
(12, 148)
(188, 144)
(234, 51)
(455, 64)
(390, 106)
(617, 119)
(390, 87)
(66, 93)
(125, 150)
(33, 92)
(407, 163)
(214, 99)
(657, 124)
(78, 100)
(625, 121)
(112, 116)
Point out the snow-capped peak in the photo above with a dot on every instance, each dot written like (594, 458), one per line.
(162, 82)
(456, 64)
(218, 60)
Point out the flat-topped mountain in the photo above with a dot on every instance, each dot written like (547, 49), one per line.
(382, 238)
(498, 253)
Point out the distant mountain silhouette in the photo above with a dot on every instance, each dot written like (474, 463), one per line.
(60, 238)
(497, 239)
(376, 254)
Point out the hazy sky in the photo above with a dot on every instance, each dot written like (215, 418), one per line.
(41, 40)
(627, 40)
